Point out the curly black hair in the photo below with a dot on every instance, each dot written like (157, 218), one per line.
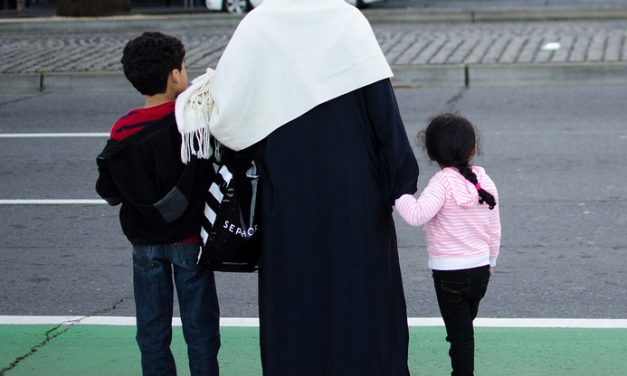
(450, 139)
(148, 60)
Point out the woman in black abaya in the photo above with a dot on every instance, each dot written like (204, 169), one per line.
(316, 100)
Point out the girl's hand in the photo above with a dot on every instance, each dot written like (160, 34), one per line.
(491, 271)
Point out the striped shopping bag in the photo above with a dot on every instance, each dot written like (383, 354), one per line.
(230, 229)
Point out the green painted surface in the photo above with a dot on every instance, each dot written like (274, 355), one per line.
(16, 341)
(112, 350)
(527, 352)
(105, 350)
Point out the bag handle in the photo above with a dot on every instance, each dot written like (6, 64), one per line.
(252, 174)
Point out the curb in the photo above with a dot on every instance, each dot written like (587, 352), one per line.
(543, 74)
(471, 75)
(482, 75)
(20, 83)
(429, 75)
(81, 82)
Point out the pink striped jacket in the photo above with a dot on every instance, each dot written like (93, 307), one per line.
(460, 232)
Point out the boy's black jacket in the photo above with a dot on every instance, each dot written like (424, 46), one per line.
(162, 198)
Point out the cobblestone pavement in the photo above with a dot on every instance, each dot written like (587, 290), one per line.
(403, 44)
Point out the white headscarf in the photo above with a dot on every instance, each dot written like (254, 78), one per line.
(285, 58)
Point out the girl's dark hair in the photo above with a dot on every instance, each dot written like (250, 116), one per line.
(450, 139)
(148, 60)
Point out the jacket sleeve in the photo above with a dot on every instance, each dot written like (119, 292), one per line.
(494, 231)
(105, 185)
(195, 178)
(397, 160)
(419, 212)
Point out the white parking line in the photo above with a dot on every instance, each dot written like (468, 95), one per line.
(552, 323)
(528, 323)
(253, 322)
(51, 135)
(52, 202)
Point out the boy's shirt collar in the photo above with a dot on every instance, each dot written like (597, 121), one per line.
(138, 119)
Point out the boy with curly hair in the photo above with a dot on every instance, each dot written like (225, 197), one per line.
(161, 211)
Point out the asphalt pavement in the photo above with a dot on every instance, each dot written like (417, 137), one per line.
(555, 152)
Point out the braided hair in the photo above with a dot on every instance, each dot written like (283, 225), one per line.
(451, 141)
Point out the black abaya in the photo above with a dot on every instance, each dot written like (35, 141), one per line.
(331, 294)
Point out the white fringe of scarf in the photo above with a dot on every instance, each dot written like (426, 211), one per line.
(193, 112)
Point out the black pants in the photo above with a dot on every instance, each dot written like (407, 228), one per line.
(459, 293)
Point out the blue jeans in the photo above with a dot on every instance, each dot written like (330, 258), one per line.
(459, 293)
(198, 302)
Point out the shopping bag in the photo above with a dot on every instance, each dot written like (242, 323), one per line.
(230, 228)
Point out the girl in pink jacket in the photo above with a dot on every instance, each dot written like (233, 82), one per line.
(459, 216)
